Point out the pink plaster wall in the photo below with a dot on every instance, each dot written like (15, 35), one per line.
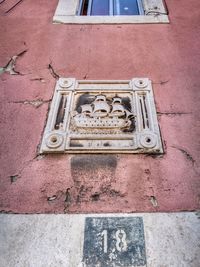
(168, 54)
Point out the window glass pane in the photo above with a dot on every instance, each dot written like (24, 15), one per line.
(126, 7)
(100, 7)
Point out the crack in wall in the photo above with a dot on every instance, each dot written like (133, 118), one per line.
(40, 79)
(161, 82)
(155, 156)
(63, 196)
(17, 175)
(185, 153)
(173, 113)
(35, 103)
(53, 72)
(10, 66)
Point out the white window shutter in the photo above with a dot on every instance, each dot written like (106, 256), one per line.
(67, 8)
(153, 7)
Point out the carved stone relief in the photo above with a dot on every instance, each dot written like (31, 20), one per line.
(102, 116)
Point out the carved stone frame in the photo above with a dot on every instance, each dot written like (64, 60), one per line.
(60, 136)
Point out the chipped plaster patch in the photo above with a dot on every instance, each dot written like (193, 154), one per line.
(35, 103)
(10, 66)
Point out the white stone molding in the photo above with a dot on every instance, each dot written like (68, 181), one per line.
(67, 10)
(112, 116)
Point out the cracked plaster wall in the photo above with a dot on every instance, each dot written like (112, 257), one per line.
(167, 54)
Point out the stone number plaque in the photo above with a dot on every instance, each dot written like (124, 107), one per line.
(102, 116)
(114, 242)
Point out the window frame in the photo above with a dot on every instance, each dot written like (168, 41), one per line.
(67, 13)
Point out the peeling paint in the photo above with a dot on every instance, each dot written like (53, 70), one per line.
(10, 66)
(14, 178)
(52, 198)
(153, 201)
(68, 197)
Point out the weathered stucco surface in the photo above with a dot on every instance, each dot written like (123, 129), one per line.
(167, 54)
(41, 240)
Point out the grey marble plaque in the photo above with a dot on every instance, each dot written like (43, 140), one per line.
(114, 242)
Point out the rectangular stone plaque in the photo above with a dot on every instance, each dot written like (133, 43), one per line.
(102, 116)
(114, 242)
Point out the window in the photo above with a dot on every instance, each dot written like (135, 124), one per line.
(110, 7)
(111, 11)
(109, 116)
